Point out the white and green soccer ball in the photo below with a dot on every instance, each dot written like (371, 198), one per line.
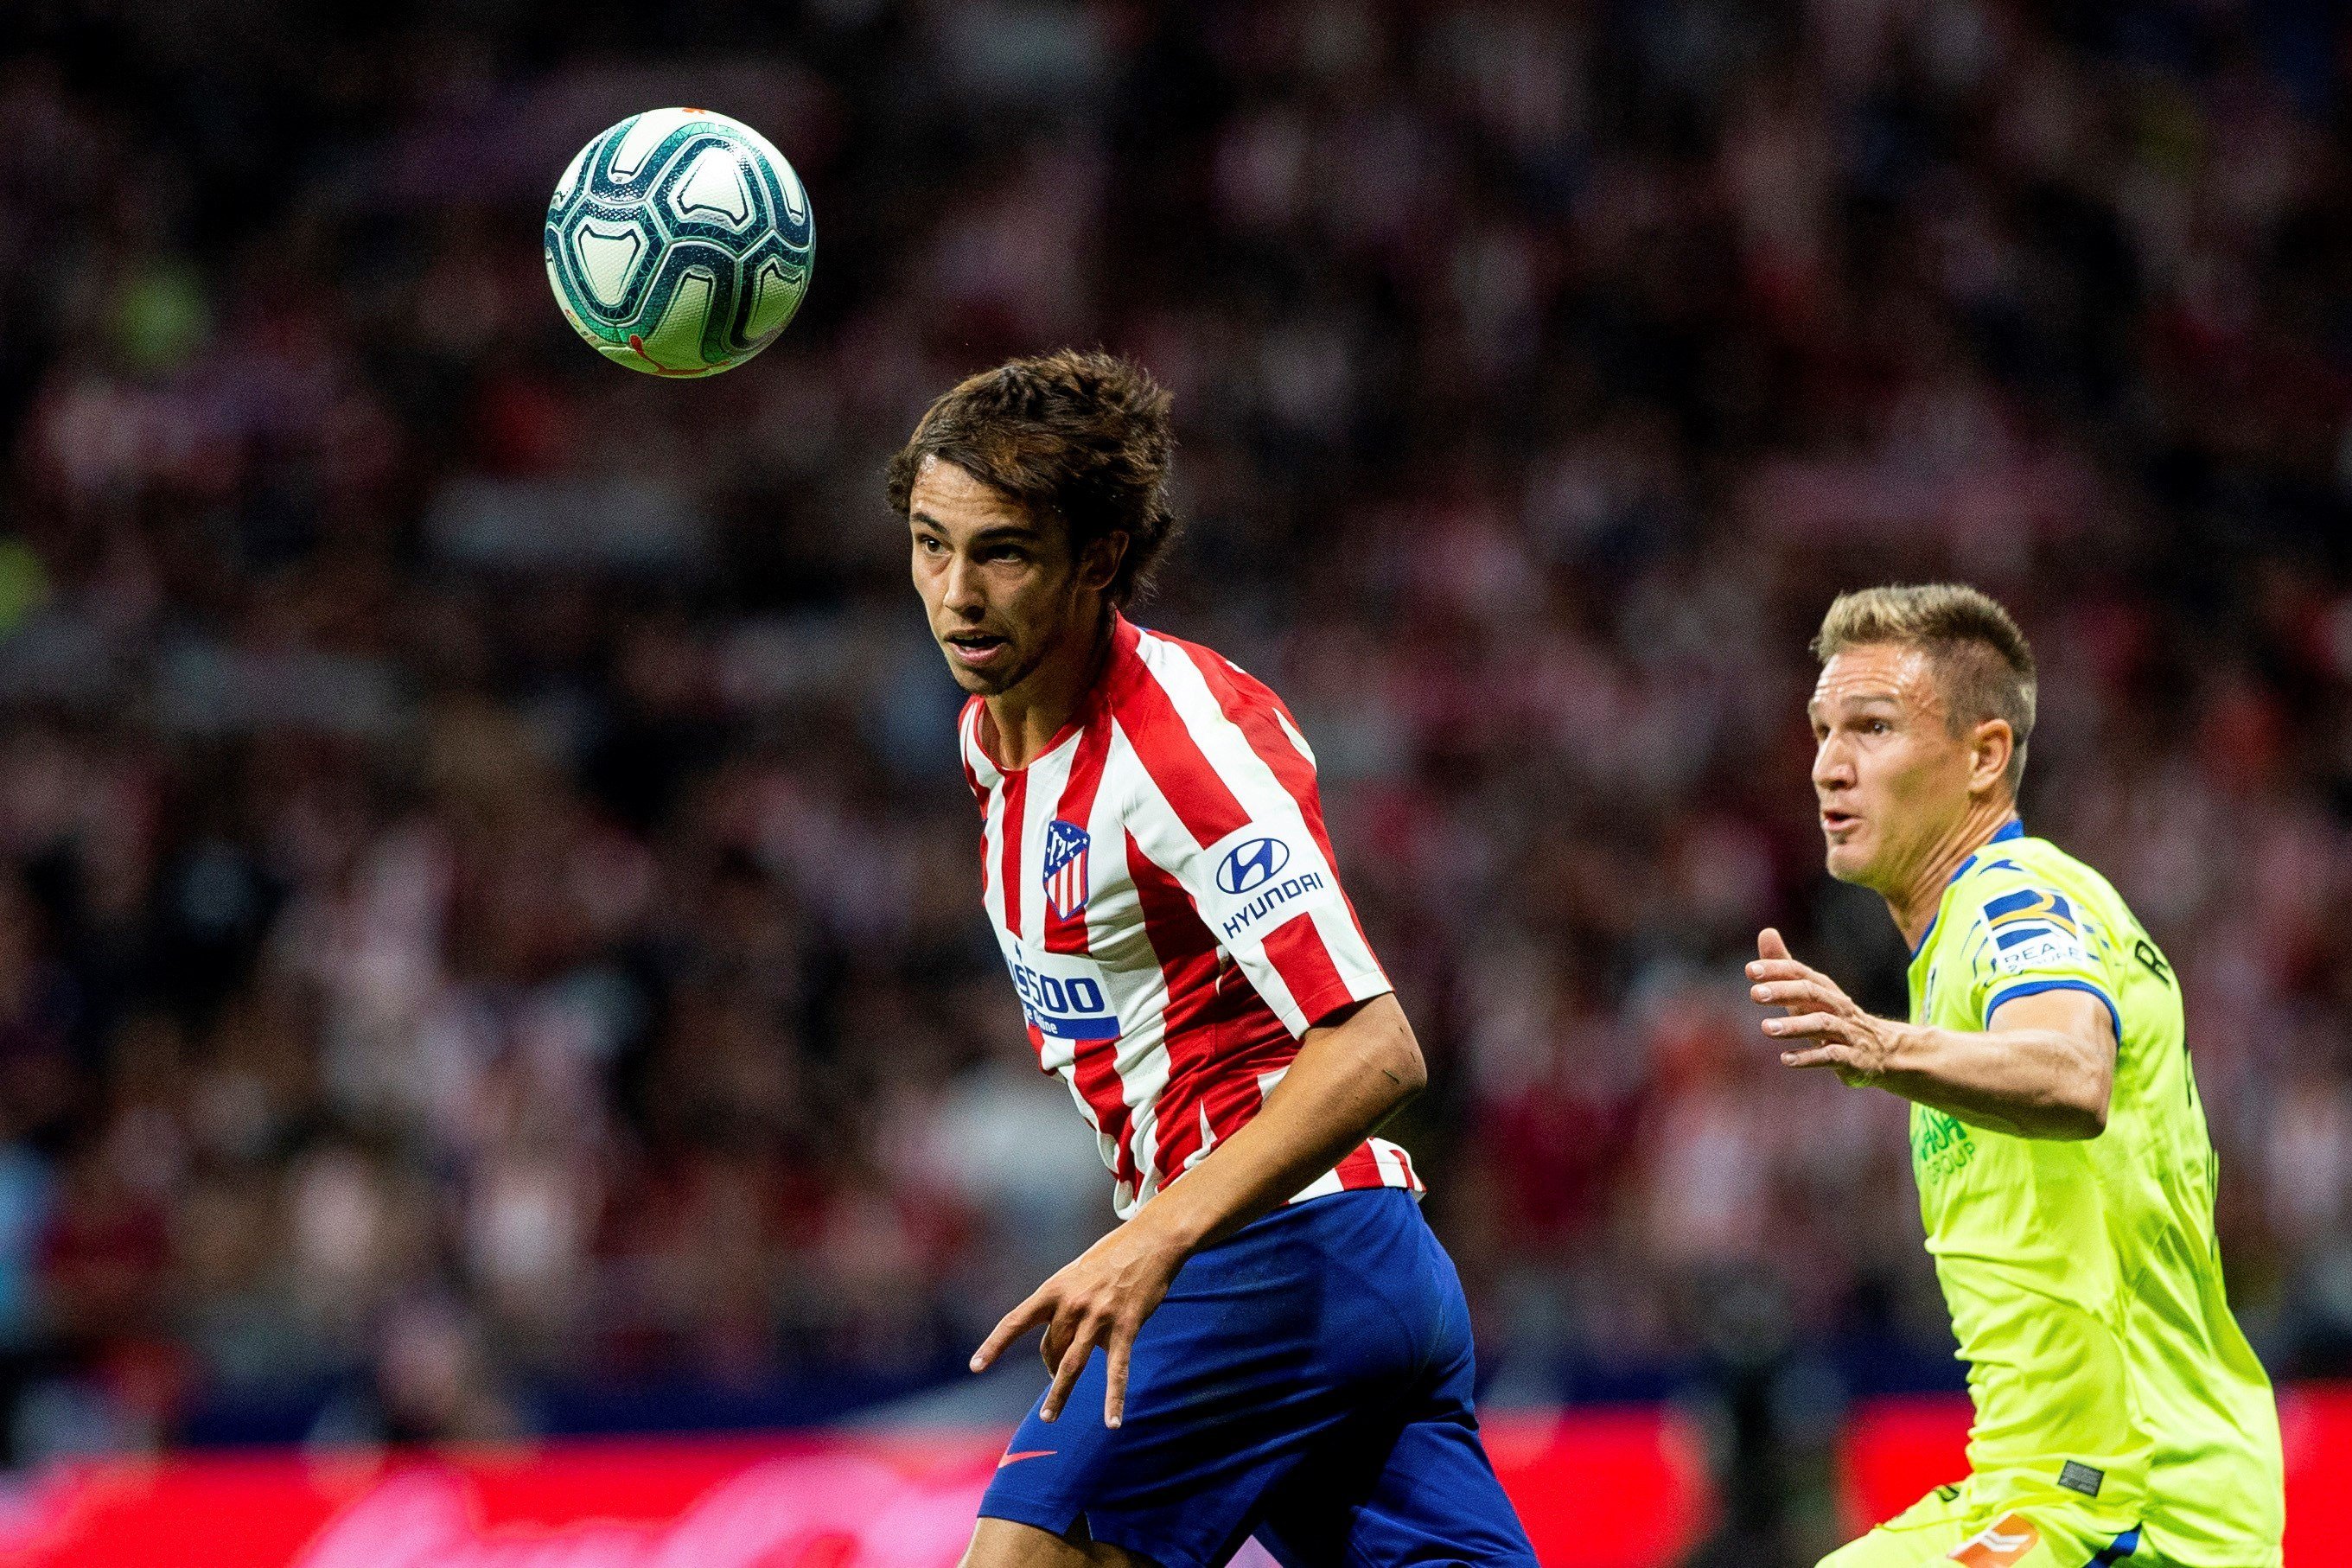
(679, 242)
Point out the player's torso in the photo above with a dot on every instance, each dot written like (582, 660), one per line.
(2082, 1276)
(1108, 958)
(1126, 867)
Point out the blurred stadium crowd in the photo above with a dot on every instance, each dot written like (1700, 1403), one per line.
(489, 931)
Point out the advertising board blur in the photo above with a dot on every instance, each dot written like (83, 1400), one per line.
(1598, 1489)
(1613, 1489)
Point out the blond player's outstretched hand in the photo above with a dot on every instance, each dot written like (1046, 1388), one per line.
(1099, 1298)
(1824, 1025)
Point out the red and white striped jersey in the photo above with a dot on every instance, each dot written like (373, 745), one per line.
(1163, 890)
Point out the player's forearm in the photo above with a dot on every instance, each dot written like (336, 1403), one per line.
(2030, 1083)
(1347, 1079)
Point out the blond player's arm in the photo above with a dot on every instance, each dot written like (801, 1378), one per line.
(1351, 1074)
(2042, 1066)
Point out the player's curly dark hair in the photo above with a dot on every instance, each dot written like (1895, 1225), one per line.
(1082, 437)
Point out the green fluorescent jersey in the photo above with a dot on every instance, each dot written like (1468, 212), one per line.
(2082, 1276)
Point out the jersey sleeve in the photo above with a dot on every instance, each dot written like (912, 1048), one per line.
(1230, 810)
(2026, 936)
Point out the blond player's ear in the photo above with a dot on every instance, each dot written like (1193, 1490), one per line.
(1989, 764)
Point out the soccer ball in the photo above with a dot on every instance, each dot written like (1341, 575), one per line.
(679, 242)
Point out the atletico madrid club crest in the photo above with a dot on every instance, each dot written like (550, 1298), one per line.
(1065, 869)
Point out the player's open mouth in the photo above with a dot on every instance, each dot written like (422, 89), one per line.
(1836, 821)
(976, 650)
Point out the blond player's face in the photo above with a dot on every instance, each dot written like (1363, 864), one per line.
(1891, 778)
(1003, 594)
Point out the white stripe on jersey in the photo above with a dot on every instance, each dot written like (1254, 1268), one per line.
(1098, 997)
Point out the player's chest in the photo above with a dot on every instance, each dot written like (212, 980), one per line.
(1083, 971)
(1061, 892)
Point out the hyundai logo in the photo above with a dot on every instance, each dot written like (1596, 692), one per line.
(1253, 865)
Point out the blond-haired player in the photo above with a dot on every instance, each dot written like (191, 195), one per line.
(2064, 1172)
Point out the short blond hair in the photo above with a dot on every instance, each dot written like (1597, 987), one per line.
(1983, 663)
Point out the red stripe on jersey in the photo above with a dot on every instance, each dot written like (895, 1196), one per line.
(1250, 705)
(1296, 950)
(1187, 964)
(1234, 1098)
(1094, 1069)
(1066, 931)
(1016, 807)
(1360, 1169)
(1163, 744)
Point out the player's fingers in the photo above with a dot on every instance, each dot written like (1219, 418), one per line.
(1769, 945)
(1796, 995)
(1781, 969)
(1074, 1362)
(1806, 1025)
(1069, 1323)
(1817, 1056)
(1117, 1352)
(1011, 1327)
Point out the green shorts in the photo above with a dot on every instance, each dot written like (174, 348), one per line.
(1945, 1527)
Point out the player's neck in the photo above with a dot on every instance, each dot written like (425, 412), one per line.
(1026, 718)
(1914, 903)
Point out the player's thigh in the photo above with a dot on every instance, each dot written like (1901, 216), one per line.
(1409, 1482)
(1264, 1347)
(1003, 1543)
(1432, 1500)
(1925, 1532)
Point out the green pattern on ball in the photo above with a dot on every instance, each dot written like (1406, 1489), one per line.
(679, 243)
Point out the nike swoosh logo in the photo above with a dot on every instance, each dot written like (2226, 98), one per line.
(1024, 1454)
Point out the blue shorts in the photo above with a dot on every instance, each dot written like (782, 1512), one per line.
(1308, 1381)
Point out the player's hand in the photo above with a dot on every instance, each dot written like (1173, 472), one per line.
(1101, 1298)
(1825, 1025)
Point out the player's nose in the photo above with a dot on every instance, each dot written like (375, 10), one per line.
(959, 587)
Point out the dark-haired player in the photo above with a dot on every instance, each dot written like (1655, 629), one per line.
(1273, 1340)
(2064, 1172)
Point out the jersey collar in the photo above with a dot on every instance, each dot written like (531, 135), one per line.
(2013, 829)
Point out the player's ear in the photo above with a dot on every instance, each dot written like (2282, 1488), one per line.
(1988, 759)
(1098, 562)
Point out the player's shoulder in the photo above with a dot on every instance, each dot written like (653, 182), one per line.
(2019, 864)
(2022, 902)
(1200, 684)
(979, 770)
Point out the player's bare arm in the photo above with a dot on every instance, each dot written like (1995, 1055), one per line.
(1350, 1077)
(2044, 1067)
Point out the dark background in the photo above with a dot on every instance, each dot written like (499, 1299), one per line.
(489, 941)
